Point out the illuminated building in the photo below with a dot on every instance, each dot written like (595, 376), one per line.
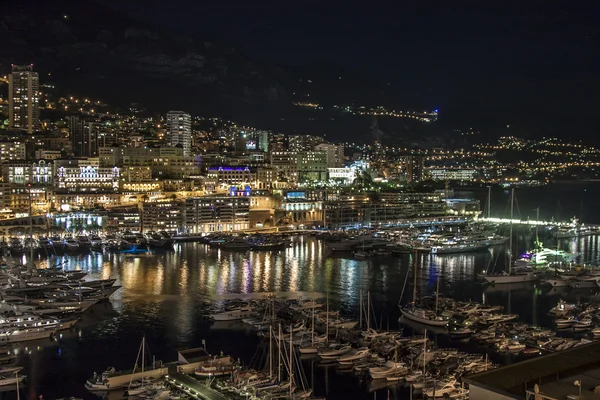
(300, 208)
(312, 166)
(85, 176)
(301, 143)
(136, 174)
(383, 209)
(12, 151)
(264, 178)
(164, 162)
(217, 214)
(142, 187)
(22, 172)
(162, 216)
(124, 218)
(48, 154)
(335, 154)
(452, 174)
(346, 175)
(66, 201)
(23, 99)
(14, 199)
(470, 207)
(285, 165)
(231, 176)
(414, 167)
(179, 131)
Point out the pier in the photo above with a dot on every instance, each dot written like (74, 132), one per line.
(193, 387)
(532, 222)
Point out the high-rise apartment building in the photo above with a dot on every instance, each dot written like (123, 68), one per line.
(335, 154)
(23, 98)
(84, 137)
(414, 167)
(179, 131)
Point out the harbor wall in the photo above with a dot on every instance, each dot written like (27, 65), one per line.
(119, 381)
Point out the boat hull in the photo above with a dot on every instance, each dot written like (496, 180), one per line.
(505, 279)
(424, 321)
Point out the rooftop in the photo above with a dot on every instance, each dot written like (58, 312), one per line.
(549, 371)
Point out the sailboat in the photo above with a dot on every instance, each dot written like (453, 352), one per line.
(420, 314)
(313, 347)
(137, 388)
(510, 276)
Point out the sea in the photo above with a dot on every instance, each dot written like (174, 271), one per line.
(165, 297)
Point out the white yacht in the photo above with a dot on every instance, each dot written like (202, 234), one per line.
(14, 335)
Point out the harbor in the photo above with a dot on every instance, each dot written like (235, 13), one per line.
(215, 277)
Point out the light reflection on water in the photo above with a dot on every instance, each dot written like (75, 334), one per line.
(162, 296)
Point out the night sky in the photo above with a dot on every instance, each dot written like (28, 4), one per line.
(515, 61)
(528, 63)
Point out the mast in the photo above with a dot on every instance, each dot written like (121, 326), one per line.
(510, 238)
(270, 351)
(327, 320)
(360, 302)
(489, 202)
(312, 325)
(143, 354)
(30, 227)
(369, 310)
(18, 391)
(424, 351)
(291, 361)
(279, 348)
(415, 278)
(537, 218)
(437, 293)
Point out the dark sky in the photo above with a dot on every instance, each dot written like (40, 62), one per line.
(513, 59)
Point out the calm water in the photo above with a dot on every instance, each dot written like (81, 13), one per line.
(164, 296)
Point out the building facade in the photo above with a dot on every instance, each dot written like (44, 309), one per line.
(87, 178)
(84, 137)
(312, 166)
(285, 166)
(217, 214)
(335, 154)
(162, 216)
(452, 174)
(23, 99)
(179, 130)
(10, 151)
(414, 167)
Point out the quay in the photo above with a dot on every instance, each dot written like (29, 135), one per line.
(188, 361)
(532, 222)
(193, 387)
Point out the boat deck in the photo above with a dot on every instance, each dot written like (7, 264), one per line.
(196, 388)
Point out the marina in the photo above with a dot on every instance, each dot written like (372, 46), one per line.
(312, 251)
(295, 314)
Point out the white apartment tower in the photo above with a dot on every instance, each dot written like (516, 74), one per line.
(179, 131)
(23, 98)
